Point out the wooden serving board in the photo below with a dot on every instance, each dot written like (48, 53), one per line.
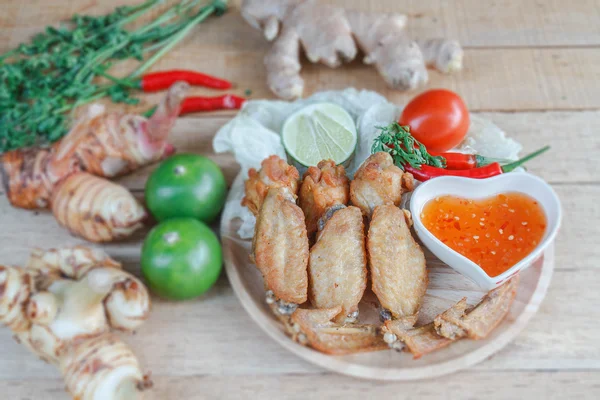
(446, 287)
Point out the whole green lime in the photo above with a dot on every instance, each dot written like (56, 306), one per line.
(186, 185)
(181, 259)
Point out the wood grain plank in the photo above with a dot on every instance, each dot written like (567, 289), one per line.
(503, 23)
(493, 79)
(520, 57)
(572, 136)
(213, 335)
(561, 385)
(576, 242)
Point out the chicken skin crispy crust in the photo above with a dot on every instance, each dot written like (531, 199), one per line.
(331, 338)
(373, 234)
(274, 172)
(418, 341)
(378, 181)
(478, 322)
(281, 246)
(323, 186)
(457, 322)
(397, 263)
(337, 267)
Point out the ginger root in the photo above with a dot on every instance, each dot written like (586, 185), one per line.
(328, 35)
(63, 306)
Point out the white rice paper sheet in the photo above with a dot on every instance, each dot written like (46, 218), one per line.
(254, 134)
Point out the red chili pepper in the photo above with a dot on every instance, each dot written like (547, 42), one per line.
(466, 161)
(199, 103)
(163, 80)
(225, 102)
(427, 172)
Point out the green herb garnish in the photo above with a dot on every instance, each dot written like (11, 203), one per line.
(404, 148)
(56, 71)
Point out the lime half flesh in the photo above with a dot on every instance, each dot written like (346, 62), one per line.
(318, 132)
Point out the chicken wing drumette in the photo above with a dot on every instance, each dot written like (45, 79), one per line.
(378, 181)
(397, 263)
(323, 186)
(274, 172)
(337, 268)
(280, 248)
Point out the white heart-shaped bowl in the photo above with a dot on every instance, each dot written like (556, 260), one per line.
(477, 189)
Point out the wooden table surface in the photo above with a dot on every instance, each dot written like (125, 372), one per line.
(531, 66)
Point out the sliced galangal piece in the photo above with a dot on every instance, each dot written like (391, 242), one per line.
(453, 324)
(274, 172)
(397, 263)
(314, 328)
(280, 246)
(322, 187)
(457, 322)
(337, 268)
(378, 181)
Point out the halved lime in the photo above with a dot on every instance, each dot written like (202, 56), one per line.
(318, 132)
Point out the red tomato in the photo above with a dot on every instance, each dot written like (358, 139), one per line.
(437, 118)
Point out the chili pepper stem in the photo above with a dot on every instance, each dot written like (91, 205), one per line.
(518, 163)
(482, 161)
(148, 113)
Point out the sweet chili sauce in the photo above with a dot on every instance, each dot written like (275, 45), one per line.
(495, 232)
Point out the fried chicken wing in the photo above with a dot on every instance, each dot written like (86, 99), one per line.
(458, 322)
(477, 323)
(322, 187)
(314, 327)
(274, 172)
(397, 263)
(378, 181)
(337, 267)
(280, 246)
(419, 341)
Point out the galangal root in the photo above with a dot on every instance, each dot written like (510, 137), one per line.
(102, 145)
(63, 306)
(332, 35)
(105, 211)
(332, 274)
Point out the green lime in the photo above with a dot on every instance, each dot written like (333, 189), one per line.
(320, 131)
(186, 185)
(181, 259)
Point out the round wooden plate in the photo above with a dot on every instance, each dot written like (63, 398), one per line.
(445, 288)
